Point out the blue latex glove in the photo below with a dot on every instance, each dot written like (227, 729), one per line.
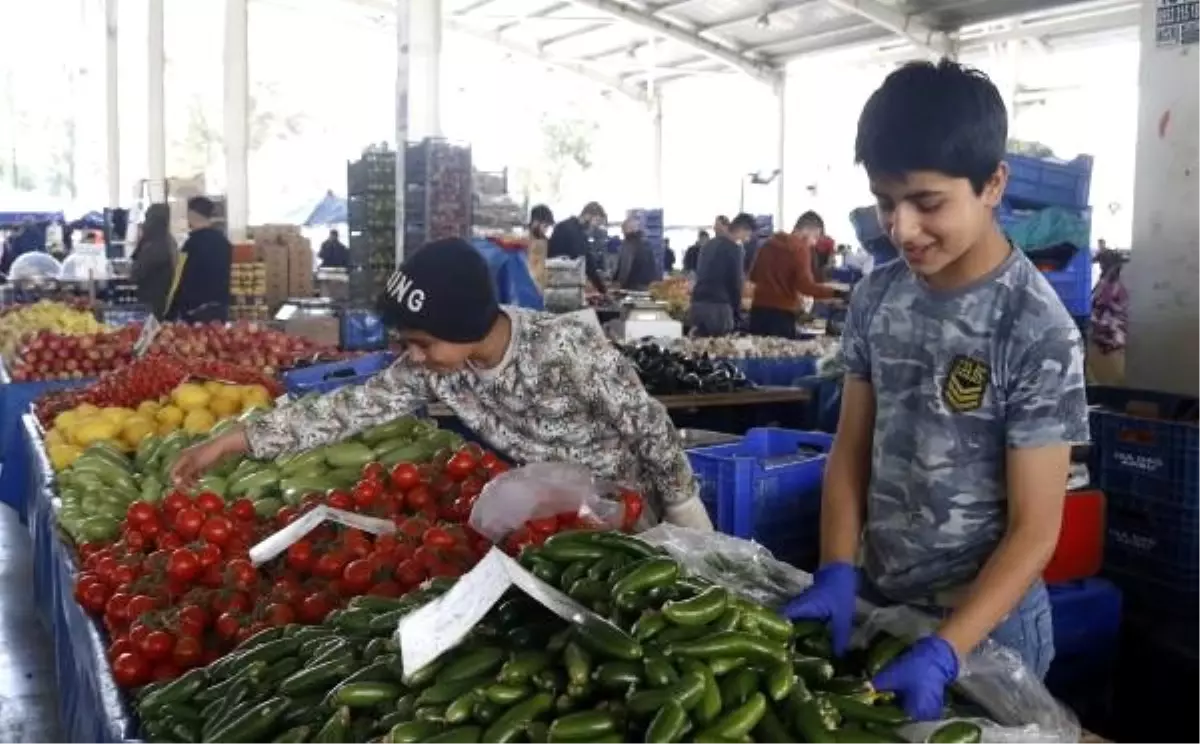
(830, 598)
(919, 677)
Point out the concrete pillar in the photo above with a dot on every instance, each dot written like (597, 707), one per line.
(237, 113)
(425, 71)
(156, 107)
(1161, 277)
(402, 112)
(781, 218)
(656, 149)
(112, 103)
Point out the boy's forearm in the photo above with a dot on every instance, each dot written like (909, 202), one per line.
(1006, 577)
(843, 504)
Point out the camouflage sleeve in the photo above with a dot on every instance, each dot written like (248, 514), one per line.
(307, 423)
(1047, 396)
(611, 388)
(856, 356)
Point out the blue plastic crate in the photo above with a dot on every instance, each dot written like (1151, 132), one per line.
(845, 275)
(1152, 537)
(1043, 182)
(766, 487)
(825, 405)
(1073, 284)
(1087, 617)
(321, 378)
(1163, 600)
(1146, 443)
(779, 372)
(362, 330)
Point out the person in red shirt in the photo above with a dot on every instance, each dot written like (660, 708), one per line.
(782, 272)
(812, 226)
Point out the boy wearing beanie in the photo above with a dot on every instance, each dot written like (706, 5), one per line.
(538, 387)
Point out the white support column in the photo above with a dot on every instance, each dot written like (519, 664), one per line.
(112, 103)
(425, 73)
(781, 151)
(156, 106)
(1161, 277)
(656, 152)
(402, 80)
(237, 111)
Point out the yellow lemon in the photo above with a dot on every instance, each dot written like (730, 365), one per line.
(223, 407)
(213, 387)
(166, 427)
(95, 429)
(169, 414)
(148, 408)
(66, 419)
(62, 456)
(136, 428)
(86, 409)
(198, 421)
(55, 436)
(190, 396)
(116, 415)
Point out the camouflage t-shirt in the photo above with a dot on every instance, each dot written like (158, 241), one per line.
(562, 393)
(959, 377)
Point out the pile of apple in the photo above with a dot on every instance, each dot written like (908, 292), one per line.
(50, 356)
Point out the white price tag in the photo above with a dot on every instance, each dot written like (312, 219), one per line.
(439, 626)
(272, 546)
(150, 329)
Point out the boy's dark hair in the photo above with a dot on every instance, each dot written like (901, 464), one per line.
(541, 213)
(593, 209)
(810, 219)
(202, 206)
(743, 220)
(942, 117)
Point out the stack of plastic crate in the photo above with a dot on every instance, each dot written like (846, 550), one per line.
(371, 213)
(1038, 184)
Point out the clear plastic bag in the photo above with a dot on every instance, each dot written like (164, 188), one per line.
(542, 490)
(1021, 707)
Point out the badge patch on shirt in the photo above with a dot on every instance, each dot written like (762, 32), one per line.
(966, 383)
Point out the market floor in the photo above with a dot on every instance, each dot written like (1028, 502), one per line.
(28, 700)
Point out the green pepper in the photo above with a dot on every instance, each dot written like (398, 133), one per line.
(582, 726)
(856, 710)
(649, 573)
(472, 664)
(709, 705)
(730, 644)
(882, 652)
(737, 687)
(701, 609)
(512, 723)
(956, 732)
(335, 729)
(738, 722)
(650, 624)
(668, 724)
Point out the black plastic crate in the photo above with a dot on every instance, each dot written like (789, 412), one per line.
(1153, 537)
(1146, 443)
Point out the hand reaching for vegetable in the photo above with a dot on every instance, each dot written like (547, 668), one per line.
(195, 460)
(830, 598)
(919, 677)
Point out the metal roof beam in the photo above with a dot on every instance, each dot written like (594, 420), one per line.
(635, 92)
(907, 26)
(688, 37)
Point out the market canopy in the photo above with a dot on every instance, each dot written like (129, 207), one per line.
(19, 207)
(331, 210)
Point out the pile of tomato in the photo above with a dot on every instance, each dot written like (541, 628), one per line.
(536, 531)
(178, 590)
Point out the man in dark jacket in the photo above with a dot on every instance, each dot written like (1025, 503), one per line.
(334, 254)
(570, 240)
(636, 264)
(717, 294)
(205, 260)
(692, 255)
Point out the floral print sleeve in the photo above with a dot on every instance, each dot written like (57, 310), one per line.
(307, 423)
(610, 387)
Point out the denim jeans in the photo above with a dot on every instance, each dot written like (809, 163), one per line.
(1028, 629)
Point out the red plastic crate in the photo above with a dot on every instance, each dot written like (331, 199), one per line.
(1080, 550)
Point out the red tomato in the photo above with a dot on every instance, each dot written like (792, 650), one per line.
(228, 625)
(405, 477)
(192, 620)
(117, 607)
(286, 516)
(496, 468)
(300, 556)
(409, 573)
(187, 522)
(386, 588)
(188, 652)
(545, 525)
(169, 541)
(374, 472)
(124, 574)
(366, 493)
(151, 529)
(210, 503)
(157, 645)
(315, 607)
(242, 574)
(436, 537)
(418, 498)
(471, 487)
(329, 566)
(633, 507)
(339, 499)
(138, 606)
(140, 512)
(357, 576)
(216, 530)
(488, 459)
(122, 645)
(136, 541)
(105, 568)
(460, 466)
(208, 555)
(164, 672)
(130, 670)
(175, 502)
(183, 566)
(243, 510)
(92, 595)
(280, 613)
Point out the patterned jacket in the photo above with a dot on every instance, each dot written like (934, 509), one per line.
(561, 393)
(959, 378)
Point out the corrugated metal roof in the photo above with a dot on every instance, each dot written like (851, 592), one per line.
(626, 43)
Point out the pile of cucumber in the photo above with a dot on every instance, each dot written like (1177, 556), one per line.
(680, 660)
(96, 490)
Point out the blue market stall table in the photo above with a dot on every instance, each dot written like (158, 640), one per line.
(90, 706)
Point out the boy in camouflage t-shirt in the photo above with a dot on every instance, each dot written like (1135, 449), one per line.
(963, 395)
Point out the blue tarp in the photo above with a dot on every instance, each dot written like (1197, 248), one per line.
(11, 219)
(331, 210)
(510, 275)
(90, 705)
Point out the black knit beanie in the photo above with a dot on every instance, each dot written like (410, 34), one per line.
(444, 289)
